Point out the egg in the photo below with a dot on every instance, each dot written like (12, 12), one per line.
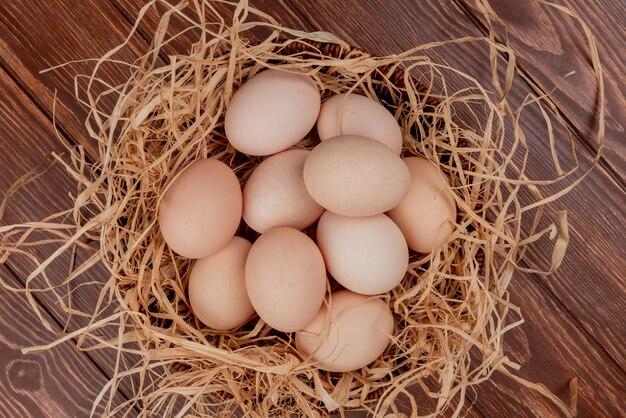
(355, 176)
(353, 114)
(427, 213)
(275, 194)
(367, 255)
(217, 287)
(200, 210)
(271, 112)
(359, 331)
(285, 278)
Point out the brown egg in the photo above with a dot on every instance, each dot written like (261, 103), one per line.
(217, 287)
(285, 278)
(355, 176)
(271, 112)
(367, 255)
(360, 330)
(427, 213)
(275, 194)
(360, 116)
(201, 209)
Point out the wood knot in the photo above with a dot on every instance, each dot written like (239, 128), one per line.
(24, 375)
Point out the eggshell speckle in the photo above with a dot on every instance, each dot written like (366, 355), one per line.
(355, 176)
(360, 330)
(271, 112)
(285, 278)
(426, 215)
(360, 116)
(275, 194)
(217, 287)
(201, 210)
(367, 255)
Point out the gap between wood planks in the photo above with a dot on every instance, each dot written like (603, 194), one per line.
(604, 165)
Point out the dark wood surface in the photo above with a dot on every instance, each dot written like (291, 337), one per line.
(58, 383)
(574, 318)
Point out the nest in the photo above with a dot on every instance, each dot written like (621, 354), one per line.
(451, 310)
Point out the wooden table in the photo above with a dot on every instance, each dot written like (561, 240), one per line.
(575, 319)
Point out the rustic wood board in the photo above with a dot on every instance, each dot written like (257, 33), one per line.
(551, 45)
(55, 383)
(566, 335)
(30, 137)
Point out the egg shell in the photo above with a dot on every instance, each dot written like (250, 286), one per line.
(355, 176)
(271, 112)
(217, 287)
(353, 114)
(201, 209)
(427, 213)
(359, 332)
(285, 278)
(275, 194)
(367, 255)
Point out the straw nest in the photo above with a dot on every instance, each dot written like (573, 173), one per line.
(452, 309)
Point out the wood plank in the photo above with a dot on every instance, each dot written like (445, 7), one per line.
(551, 44)
(27, 138)
(40, 35)
(551, 349)
(77, 30)
(177, 27)
(56, 383)
(590, 282)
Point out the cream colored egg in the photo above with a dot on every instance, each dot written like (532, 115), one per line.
(355, 176)
(271, 112)
(275, 194)
(359, 332)
(201, 209)
(427, 214)
(367, 255)
(285, 278)
(353, 114)
(217, 287)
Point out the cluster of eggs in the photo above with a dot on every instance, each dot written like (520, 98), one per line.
(370, 206)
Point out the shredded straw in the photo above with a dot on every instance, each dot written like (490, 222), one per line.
(451, 311)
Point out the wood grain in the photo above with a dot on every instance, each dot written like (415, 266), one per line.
(78, 30)
(177, 27)
(552, 350)
(568, 333)
(30, 137)
(55, 383)
(551, 45)
(40, 35)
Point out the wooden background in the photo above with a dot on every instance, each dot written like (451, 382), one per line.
(575, 319)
